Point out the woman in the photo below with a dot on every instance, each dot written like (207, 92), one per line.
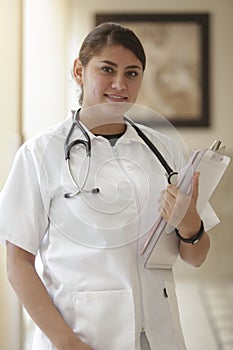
(94, 292)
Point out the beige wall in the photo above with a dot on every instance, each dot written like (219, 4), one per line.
(37, 89)
(221, 54)
(46, 94)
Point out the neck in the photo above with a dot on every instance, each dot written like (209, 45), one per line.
(109, 129)
(102, 123)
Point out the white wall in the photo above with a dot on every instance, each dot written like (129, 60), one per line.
(45, 68)
(10, 117)
(33, 51)
(10, 82)
(221, 54)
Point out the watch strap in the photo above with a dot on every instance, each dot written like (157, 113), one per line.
(193, 240)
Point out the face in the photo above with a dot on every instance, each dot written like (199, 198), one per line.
(113, 76)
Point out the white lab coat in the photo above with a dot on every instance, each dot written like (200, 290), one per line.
(90, 244)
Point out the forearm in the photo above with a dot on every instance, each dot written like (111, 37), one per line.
(34, 296)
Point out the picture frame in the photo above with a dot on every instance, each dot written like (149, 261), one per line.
(176, 79)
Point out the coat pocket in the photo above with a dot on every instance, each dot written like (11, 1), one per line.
(105, 319)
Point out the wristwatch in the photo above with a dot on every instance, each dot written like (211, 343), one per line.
(193, 240)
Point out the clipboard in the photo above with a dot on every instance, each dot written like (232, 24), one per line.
(161, 245)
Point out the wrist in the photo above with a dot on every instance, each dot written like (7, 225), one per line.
(189, 228)
(67, 341)
(194, 238)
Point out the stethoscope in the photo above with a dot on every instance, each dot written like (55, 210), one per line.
(86, 142)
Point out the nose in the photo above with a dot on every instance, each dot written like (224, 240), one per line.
(119, 82)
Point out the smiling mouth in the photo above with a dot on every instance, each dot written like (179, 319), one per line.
(116, 98)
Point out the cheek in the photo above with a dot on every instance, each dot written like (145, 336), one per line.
(94, 85)
(135, 88)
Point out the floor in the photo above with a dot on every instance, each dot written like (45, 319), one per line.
(206, 310)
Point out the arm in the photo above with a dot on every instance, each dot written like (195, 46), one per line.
(35, 298)
(188, 221)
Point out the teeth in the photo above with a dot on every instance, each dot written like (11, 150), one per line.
(116, 97)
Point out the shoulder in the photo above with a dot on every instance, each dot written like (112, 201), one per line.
(57, 131)
(52, 136)
(45, 147)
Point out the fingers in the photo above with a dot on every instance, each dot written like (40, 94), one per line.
(167, 201)
(195, 185)
(174, 205)
(172, 192)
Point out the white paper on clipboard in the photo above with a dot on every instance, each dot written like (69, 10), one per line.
(160, 247)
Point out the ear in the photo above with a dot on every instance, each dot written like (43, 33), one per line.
(77, 71)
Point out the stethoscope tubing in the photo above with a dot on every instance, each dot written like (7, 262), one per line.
(87, 143)
(171, 174)
(68, 146)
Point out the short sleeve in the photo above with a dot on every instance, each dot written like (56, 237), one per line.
(23, 215)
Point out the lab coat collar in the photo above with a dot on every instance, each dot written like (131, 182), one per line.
(129, 135)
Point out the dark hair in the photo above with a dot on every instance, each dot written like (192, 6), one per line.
(108, 34)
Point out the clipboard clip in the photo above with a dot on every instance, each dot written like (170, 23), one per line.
(218, 149)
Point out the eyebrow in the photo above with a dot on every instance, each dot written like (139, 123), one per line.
(115, 65)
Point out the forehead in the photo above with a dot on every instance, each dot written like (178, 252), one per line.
(117, 53)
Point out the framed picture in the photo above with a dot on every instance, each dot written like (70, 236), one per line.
(176, 79)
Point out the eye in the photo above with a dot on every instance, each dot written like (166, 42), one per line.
(107, 69)
(132, 74)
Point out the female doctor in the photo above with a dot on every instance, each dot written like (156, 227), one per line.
(94, 292)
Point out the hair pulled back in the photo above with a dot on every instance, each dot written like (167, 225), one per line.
(108, 34)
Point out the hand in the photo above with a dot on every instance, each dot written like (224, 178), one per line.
(80, 346)
(180, 210)
(35, 298)
(75, 344)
